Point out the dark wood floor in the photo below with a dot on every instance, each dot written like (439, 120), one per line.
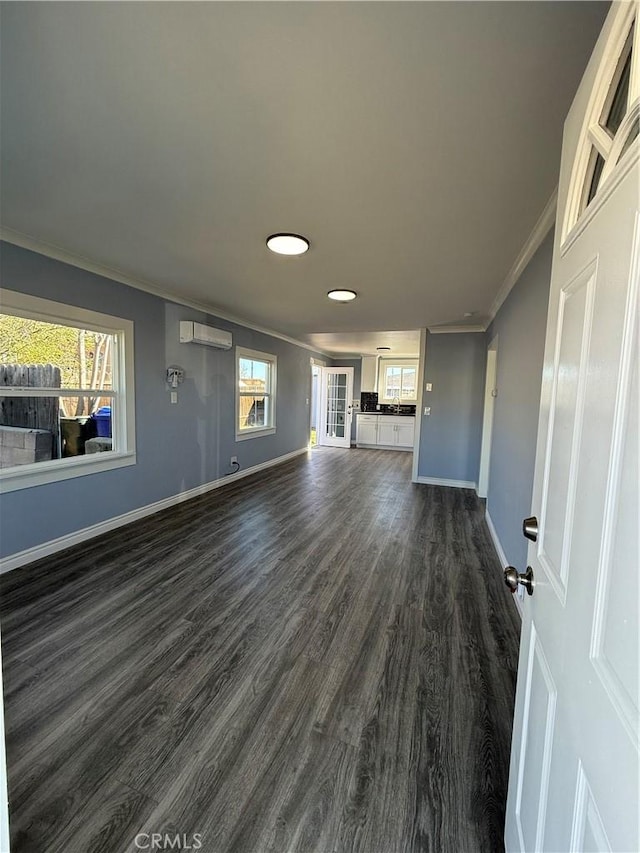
(319, 658)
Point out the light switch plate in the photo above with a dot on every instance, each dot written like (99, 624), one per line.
(174, 396)
(428, 387)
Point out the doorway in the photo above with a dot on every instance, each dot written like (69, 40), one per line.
(316, 369)
(490, 394)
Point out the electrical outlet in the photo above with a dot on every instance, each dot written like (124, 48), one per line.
(234, 460)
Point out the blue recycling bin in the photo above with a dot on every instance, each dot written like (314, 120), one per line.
(103, 421)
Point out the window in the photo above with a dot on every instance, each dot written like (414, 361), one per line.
(612, 124)
(611, 116)
(397, 381)
(66, 392)
(255, 393)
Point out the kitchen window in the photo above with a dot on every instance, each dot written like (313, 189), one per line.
(255, 393)
(66, 391)
(398, 381)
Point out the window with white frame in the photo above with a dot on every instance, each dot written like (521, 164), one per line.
(397, 381)
(608, 144)
(611, 117)
(255, 393)
(66, 391)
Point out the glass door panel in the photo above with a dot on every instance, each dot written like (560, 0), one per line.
(336, 406)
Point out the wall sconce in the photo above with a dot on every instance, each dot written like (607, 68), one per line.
(175, 375)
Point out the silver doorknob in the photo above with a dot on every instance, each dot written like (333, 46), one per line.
(512, 578)
(530, 528)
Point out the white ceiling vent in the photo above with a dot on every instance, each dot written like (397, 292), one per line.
(198, 333)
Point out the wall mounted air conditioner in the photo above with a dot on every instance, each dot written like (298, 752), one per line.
(198, 333)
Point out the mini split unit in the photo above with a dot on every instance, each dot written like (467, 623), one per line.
(198, 333)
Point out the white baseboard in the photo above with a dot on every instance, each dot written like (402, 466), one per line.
(496, 541)
(500, 551)
(382, 447)
(456, 484)
(30, 555)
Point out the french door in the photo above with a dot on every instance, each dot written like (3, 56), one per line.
(335, 406)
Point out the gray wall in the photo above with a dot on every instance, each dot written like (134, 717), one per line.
(520, 325)
(179, 446)
(356, 363)
(450, 437)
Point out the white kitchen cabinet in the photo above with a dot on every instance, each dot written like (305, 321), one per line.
(369, 373)
(367, 430)
(385, 431)
(404, 432)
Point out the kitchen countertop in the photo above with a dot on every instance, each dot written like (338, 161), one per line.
(390, 414)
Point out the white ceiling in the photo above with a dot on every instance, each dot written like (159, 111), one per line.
(367, 343)
(414, 144)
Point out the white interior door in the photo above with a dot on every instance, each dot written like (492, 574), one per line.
(573, 782)
(336, 409)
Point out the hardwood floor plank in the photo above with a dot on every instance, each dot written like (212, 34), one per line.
(375, 815)
(321, 658)
(108, 820)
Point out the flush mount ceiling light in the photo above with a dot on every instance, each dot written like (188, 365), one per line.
(342, 295)
(288, 244)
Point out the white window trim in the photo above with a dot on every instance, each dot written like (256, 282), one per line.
(396, 362)
(256, 432)
(40, 473)
(575, 219)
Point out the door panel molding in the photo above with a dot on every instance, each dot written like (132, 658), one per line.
(557, 565)
(624, 434)
(586, 818)
(536, 661)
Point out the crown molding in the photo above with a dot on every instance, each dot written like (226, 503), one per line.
(534, 241)
(49, 250)
(531, 246)
(457, 330)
